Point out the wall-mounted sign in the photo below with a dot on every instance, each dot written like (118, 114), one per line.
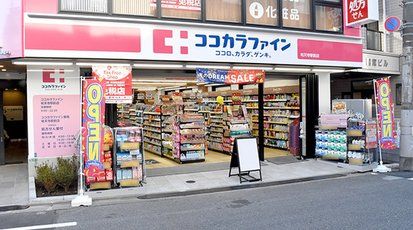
(4, 52)
(360, 12)
(381, 63)
(76, 39)
(13, 113)
(392, 24)
(53, 108)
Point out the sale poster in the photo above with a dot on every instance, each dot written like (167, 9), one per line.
(93, 130)
(230, 76)
(117, 81)
(385, 114)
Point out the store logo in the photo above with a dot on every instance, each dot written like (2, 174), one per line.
(161, 37)
(50, 76)
(256, 10)
(4, 52)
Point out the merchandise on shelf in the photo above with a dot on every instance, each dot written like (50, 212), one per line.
(189, 138)
(153, 130)
(331, 144)
(235, 125)
(129, 160)
(358, 153)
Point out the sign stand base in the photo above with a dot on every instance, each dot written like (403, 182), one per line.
(382, 168)
(81, 200)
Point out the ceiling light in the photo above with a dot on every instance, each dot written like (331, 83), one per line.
(327, 70)
(292, 69)
(105, 64)
(253, 67)
(41, 63)
(1, 66)
(3, 70)
(158, 66)
(208, 66)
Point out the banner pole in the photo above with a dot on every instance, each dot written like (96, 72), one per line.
(380, 168)
(81, 199)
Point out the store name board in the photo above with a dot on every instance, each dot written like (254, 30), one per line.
(361, 12)
(381, 63)
(185, 43)
(230, 76)
(385, 114)
(93, 132)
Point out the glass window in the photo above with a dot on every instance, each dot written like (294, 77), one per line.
(328, 18)
(262, 12)
(92, 6)
(223, 10)
(190, 9)
(296, 13)
(135, 7)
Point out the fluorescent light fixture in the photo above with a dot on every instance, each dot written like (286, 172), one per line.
(92, 64)
(254, 67)
(1, 66)
(292, 69)
(42, 63)
(208, 66)
(327, 70)
(158, 66)
(3, 70)
(40, 70)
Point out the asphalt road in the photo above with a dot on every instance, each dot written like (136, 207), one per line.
(363, 201)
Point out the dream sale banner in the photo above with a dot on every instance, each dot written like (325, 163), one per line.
(117, 81)
(93, 131)
(230, 76)
(385, 114)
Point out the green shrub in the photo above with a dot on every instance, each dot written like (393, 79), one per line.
(46, 177)
(66, 172)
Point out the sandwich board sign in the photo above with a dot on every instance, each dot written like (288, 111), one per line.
(245, 157)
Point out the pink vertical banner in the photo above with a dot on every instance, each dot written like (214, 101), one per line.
(385, 114)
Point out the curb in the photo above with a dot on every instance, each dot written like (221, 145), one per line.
(67, 199)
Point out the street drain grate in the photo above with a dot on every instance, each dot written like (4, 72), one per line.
(190, 181)
(13, 208)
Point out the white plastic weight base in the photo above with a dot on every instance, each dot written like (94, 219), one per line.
(382, 169)
(82, 200)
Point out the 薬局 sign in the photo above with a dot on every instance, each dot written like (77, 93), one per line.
(117, 81)
(385, 114)
(54, 117)
(230, 76)
(361, 12)
(93, 131)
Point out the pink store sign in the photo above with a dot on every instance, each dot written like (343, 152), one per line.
(57, 126)
(133, 41)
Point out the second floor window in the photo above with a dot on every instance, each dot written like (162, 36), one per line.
(185, 9)
(134, 7)
(262, 12)
(226, 11)
(89, 6)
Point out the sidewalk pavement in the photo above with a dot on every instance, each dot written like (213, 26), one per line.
(14, 185)
(162, 186)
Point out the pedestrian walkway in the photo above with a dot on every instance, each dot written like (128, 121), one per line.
(190, 183)
(14, 186)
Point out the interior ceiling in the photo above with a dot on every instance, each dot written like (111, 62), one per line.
(12, 68)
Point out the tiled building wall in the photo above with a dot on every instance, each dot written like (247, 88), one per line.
(393, 40)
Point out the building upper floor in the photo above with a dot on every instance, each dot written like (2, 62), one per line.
(375, 35)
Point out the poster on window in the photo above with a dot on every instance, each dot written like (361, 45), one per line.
(93, 130)
(385, 114)
(13, 113)
(117, 81)
(230, 76)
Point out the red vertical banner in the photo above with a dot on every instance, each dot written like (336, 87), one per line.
(117, 81)
(385, 114)
(93, 131)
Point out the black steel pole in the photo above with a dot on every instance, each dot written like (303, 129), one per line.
(261, 121)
